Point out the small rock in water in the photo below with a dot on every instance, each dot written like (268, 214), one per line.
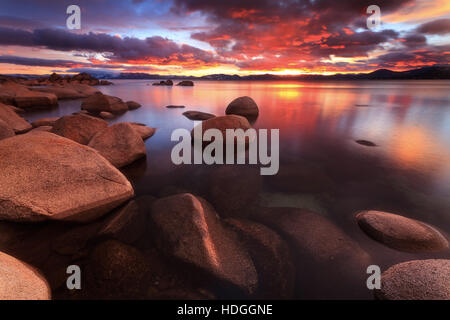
(186, 83)
(416, 280)
(175, 107)
(401, 233)
(243, 106)
(198, 115)
(144, 131)
(133, 105)
(366, 143)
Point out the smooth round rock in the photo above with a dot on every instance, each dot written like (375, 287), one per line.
(416, 280)
(243, 106)
(401, 233)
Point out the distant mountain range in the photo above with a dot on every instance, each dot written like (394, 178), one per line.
(425, 73)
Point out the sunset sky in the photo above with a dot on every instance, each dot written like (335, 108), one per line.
(198, 37)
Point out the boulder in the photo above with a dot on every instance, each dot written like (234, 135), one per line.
(106, 115)
(45, 176)
(187, 228)
(13, 120)
(118, 271)
(416, 280)
(80, 128)
(186, 83)
(5, 130)
(24, 98)
(42, 128)
(127, 224)
(164, 83)
(19, 281)
(120, 144)
(271, 256)
(198, 115)
(44, 122)
(366, 143)
(243, 106)
(61, 92)
(133, 105)
(101, 102)
(401, 233)
(144, 131)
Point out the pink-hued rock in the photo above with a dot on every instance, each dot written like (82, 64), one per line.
(80, 128)
(416, 280)
(120, 144)
(13, 120)
(45, 176)
(101, 102)
(44, 122)
(5, 130)
(19, 281)
(69, 90)
(22, 97)
(401, 233)
(243, 106)
(144, 131)
(188, 228)
(133, 105)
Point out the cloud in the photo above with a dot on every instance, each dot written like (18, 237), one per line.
(440, 26)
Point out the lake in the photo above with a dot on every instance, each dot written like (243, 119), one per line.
(322, 168)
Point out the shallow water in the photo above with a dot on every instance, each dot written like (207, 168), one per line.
(322, 168)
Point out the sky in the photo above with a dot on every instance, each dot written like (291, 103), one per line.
(199, 37)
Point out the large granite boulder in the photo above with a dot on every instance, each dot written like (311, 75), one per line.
(243, 106)
(186, 83)
(416, 280)
(69, 90)
(19, 281)
(101, 102)
(120, 144)
(5, 130)
(22, 97)
(144, 131)
(401, 233)
(13, 120)
(44, 122)
(45, 176)
(80, 128)
(187, 228)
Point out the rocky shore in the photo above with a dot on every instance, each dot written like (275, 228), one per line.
(65, 200)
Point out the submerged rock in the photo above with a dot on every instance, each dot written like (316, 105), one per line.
(120, 144)
(188, 229)
(198, 115)
(133, 105)
(175, 107)
(101, 102)
(5, 130)
(416, 280)
(45, 176)
(19, 281)
(186, 83)
(79, 128)
(271, 256)
(401, 233)
(13, 120)
(366, 143)
(243, 106)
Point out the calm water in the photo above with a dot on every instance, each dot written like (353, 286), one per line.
(322, 168)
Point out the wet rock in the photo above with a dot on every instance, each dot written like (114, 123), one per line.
(188, 229)
(127, 224)
(144, 131)
(401, 233)
(366, 143)
(106, 115)
(120, 144)
(198, 115)
(19, 281)
(416, 280)
(5, 130)
(101, 102)
(243, 106)
(175, 107)
(79, 128)
(44, 122)
(45, 176)
(186, 83)
(13, 120)
(118, 271)
(271, 257)
(233, 189)
(223, 123)
(133, 105)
